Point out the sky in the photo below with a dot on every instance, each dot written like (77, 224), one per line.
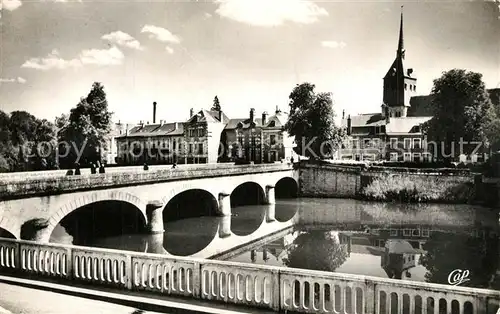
(250, 53)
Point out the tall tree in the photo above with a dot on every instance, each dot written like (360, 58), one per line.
(84, 134)
(216, 105)
(462, 113)
(311, 122)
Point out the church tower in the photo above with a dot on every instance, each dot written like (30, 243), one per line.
(399, 84)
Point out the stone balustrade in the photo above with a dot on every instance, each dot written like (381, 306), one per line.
(49, 185)
(279, 289)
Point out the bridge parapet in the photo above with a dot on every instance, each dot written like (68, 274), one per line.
(52, 185)
(276, 288)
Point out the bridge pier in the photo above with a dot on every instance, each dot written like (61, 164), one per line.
(271, 212)
(224, 204)
(225, 227)
(36, 230)
(155, 244)
(270, 198)
(154, 213)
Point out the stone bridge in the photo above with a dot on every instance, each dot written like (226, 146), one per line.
(31, 208)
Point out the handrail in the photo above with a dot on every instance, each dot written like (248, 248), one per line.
(270, 287)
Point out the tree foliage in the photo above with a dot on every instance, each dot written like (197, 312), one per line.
(446, 252)
(311, 122)
(462, 111)
(84, 132)
(316, 250)
(26, 142)
(216, 105)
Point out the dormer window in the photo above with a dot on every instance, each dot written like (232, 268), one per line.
(272, 124)
(240, 125)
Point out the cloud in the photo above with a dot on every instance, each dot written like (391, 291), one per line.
(101, 57)
(111, 56)
(169, 50)
(333, 44)
(19, 80)
(10, 5)
(123, 39)
(270, 12)
(161, 34)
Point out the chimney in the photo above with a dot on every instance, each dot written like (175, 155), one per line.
(252, 118)
(220, 115)
(277, 110)
(264, 118)
(161, 122)
(349, 126)
(409, 72)
(126, 129)
(154, 112)
(176, 125)
(191, 112)
(343, 114)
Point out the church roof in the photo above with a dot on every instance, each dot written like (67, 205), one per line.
(365, 120)
(405, 125)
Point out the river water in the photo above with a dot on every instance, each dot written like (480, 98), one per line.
(421, 242)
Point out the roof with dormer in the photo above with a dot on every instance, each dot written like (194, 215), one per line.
(209, 116)
(148, 130)
(275, 121)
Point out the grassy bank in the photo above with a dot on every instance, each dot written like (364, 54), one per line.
(419, 189)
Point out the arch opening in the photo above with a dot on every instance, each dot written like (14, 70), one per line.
(286, 188)
(248, 193)
(6, 234)
(247, 207)
(190, 204)
(191, 222)
(109, 224)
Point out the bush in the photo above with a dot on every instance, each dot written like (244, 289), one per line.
(416, 189)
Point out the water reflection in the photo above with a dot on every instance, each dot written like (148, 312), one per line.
(196, 236)
(413, 242)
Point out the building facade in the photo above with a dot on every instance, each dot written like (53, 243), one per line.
(257, 139)
(207, 137)
(389, 134)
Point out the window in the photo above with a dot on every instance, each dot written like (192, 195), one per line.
(416, 232)
(393, 232)
(414, 87)
(190, 151)
(416, 143)
(394, 156)
(425, 233)
(407, 232)
(416, 157)
(405, 86)
(357, 157)
(367, 142)
(272, 139)
(407, 143)
(375, 142)
(427, 157)
(394, 143)
(354, 143)
(200, 149)
(407, 157)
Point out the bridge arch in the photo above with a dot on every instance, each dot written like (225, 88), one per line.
(248, 193)
(88, 199)
(189, 203)
(6, 229)
(286, 187)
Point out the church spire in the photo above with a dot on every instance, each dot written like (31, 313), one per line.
(401, 49)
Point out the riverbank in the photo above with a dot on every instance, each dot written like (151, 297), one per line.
(386, 184)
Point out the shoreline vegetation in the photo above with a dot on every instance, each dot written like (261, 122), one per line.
(418, 189)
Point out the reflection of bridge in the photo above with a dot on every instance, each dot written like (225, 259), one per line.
(266, 287)
(32, 207)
